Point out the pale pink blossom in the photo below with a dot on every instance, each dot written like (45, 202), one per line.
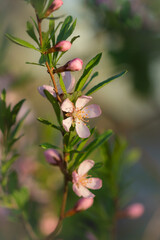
(135, 210)
(69, 82)
(79, 114)
(63, 46)
(82, 181)
(52, 156)
(83, 204)
(56, 4)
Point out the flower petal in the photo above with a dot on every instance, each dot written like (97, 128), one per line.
(82, 101)
(50, 89)
(67, 106)
(92, 111)
(67, 123)
(69, 81)
(75, 177)
(81, 129)
(94, 183)
(85, 192)
(76, 190)
(85, 166)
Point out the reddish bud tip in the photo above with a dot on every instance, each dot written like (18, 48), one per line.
(135, 210)
(52, 156)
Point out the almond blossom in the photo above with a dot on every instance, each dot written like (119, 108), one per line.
(82, 181)
(69, 82)
(79, 114)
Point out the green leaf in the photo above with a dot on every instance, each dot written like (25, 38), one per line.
(93, 76)
(87, 71)
(38, 64)
(21, 42)
(46, 122)
(102, 84)
(12, 184)
(48, 145)
(62, 84)
(92, 146)
(55, 105)
(74, 38)
(19, 124)
(3, 95)
(66, 30)
(6, 165)
(21, 197)
(31, 33)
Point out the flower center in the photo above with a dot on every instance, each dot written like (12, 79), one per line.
(83, 180)
(80, 115)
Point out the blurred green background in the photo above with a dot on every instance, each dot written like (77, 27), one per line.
(128, 34)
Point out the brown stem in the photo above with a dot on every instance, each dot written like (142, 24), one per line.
(47, 65)
(62, 212)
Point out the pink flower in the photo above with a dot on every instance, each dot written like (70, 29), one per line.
(69, 82)
(83, 204)
(135, 210)
(56, 4)
(79, 114)
(63, 46)
(74, 65)
(52, 156)
(81, 181)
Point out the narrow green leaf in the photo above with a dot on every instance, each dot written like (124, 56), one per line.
(38, 64)
(48, 145)
(21, 197)
(3, 95)
(55, 105)
(21, 42)
(74, 38)
(62, 84)
(102, 84)
(18, 106)
(87, 71)
(31, 33)
(6, 165)
(92, 146)
(66, 30)
(93, 76)
(46, 122)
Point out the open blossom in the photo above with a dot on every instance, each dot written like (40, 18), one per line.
(79, 114)
(52, 156)
(69, 82)
(82, 181)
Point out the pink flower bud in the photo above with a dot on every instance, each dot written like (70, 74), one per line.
(56, 4)
(63, 46)
(135, 210)
(74, 65)
(83, 204)
(52, 156)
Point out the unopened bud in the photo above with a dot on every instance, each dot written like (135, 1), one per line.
(62, 46)
(56, 4)
(135, 210)
(73, 65)
(83, 204)
(52, 156)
